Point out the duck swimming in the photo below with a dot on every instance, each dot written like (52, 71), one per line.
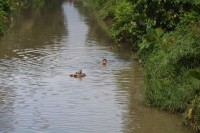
(104, 62)
(78, 74)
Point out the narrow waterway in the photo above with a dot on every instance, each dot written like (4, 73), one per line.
(37, 94)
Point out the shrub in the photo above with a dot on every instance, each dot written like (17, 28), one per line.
(131, 19)
(168, 69)
(124, 26)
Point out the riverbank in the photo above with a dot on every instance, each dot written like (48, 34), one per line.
(8, 8)
(165, 36)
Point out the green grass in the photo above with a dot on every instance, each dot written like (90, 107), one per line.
(168, 68)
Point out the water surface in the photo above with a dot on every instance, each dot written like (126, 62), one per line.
(38, 95)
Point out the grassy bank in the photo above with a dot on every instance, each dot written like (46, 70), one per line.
(165, 35)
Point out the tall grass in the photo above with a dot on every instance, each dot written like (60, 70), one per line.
(168, 70)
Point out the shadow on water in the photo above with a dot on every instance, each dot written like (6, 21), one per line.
(37, 94)
(49, 17)
(138, 117)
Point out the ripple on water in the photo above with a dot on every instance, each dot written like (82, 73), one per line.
(38, 95)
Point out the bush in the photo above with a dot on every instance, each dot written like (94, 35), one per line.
(124, 26)
(131, 19)
(168, 68)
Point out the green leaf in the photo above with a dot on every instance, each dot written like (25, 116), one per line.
(195, 78)
(151, 31)
(150, 38)
(159, 32)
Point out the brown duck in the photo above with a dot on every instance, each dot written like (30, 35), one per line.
(78, 74)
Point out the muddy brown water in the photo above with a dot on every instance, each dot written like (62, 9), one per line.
(38, 95)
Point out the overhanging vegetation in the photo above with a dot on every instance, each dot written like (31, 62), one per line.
(10, 7)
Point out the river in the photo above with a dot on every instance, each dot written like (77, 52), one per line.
(37, 94)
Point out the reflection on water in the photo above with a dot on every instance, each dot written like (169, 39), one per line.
(38, 95)
(139, 118)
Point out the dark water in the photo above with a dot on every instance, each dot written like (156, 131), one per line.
(38, 95)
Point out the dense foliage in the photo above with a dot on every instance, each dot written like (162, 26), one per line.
(166, 35)
(172, 68)
(131, 18)
(170, 72)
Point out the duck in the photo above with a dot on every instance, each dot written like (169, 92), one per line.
(104, 61)
(78, 74)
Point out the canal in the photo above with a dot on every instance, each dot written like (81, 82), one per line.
(37, 94)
